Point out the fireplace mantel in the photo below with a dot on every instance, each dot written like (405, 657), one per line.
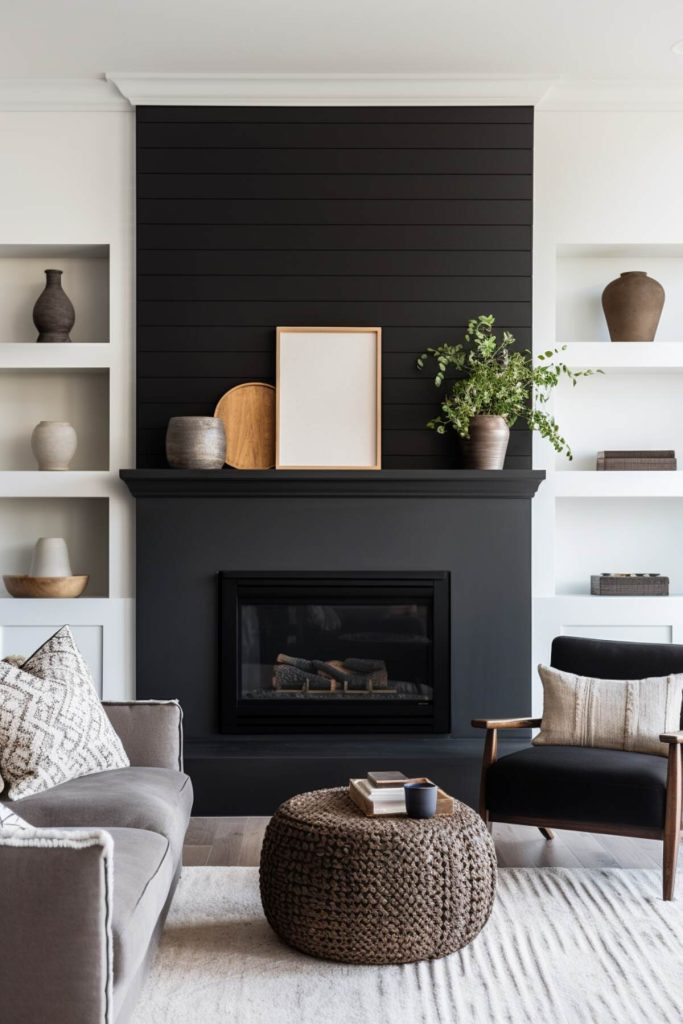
(388, 483)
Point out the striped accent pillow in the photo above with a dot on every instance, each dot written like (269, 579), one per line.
(617, 714)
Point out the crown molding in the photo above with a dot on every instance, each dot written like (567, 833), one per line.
(118, 92)
(613, 95)
(65, 94)
(148, 89)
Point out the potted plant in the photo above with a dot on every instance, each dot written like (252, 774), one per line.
(495, 387)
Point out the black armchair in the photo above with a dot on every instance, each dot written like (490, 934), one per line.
(589, 789)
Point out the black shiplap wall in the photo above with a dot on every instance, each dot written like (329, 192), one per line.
(413, 219)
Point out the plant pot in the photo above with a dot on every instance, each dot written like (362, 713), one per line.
(54, 444)
(195, 442)
(53, 313)
(487, 444)
(632, 305)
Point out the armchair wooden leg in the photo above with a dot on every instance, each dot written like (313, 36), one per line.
(672, 822)
(490, 754)
(547, 833)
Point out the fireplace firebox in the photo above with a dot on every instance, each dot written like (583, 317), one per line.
(342, 652)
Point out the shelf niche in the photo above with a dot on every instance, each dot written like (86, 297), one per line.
(81, 397)
(618, 410)
(85, 280)
(583, 271)
(83, 522)
(595, 535)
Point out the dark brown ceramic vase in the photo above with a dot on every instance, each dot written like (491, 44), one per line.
(53, 313)
(487, 444)
(632, 305)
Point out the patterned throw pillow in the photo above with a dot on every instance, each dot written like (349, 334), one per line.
(11, 822)
(52, 725)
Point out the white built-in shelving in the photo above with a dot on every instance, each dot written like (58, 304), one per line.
(83, 382)
(588, 521)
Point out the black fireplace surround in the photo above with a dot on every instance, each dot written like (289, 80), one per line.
(410, 218)
(465, 532)
(306, 652)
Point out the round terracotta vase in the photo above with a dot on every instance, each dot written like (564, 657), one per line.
(632, 305)
(487, 444)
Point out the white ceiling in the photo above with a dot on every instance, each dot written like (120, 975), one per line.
(578, 39)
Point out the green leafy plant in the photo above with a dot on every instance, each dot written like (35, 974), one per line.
(494, 380)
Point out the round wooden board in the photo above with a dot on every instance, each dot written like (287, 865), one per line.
(248, 413)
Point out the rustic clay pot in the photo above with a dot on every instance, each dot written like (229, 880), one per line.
(487, 444)
(54, 444)
(195, 442)
(53, 313)
(633, 305)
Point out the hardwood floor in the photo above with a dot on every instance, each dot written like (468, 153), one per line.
(236, 842)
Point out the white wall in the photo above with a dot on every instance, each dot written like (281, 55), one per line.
(605, 178)
(601, 178)
(67, 178)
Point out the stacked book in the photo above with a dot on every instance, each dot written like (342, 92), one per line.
(379, 793)
(636, 460)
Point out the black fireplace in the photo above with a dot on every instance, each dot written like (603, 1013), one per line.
(342, 651)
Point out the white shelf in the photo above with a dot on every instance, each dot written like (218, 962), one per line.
(599, 484)
(68, 484)
(624, 356)
(34, 356)
(590, 608)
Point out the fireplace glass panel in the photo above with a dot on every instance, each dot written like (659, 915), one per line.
(349, 651)
(337, 650)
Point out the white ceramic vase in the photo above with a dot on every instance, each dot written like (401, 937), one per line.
(54, 444)
(50, 558)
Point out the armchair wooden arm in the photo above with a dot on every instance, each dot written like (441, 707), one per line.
(492, 725)
(506, 723)
(672, 737)
(674, 807)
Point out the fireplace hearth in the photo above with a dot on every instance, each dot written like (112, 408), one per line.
(351, 652)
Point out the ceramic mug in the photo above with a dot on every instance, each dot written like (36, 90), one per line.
(420, 799)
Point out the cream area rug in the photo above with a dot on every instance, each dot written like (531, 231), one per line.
(568, 946)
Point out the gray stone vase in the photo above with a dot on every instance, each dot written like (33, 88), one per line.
(53, 313)
(487, 444)
(195, 442)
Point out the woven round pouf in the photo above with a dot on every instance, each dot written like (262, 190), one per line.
(341, 886)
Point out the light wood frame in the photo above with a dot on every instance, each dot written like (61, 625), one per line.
(376, 463)
(670, 834)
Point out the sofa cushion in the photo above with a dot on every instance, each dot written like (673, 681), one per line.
(157, 799)
(579, 784)
(143, 876)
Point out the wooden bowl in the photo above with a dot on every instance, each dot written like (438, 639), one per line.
(45, 586)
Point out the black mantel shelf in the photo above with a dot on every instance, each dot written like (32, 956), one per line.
(388, 483)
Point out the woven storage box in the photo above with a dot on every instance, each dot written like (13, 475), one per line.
(630, 586)
(342, 886)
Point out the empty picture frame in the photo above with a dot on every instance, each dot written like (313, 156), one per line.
(328, 398)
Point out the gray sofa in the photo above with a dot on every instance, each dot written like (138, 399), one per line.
(83, 898)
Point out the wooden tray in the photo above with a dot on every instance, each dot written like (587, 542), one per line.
(445, 804)
(248, 414)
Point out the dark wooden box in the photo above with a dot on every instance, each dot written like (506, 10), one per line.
(630, 586)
